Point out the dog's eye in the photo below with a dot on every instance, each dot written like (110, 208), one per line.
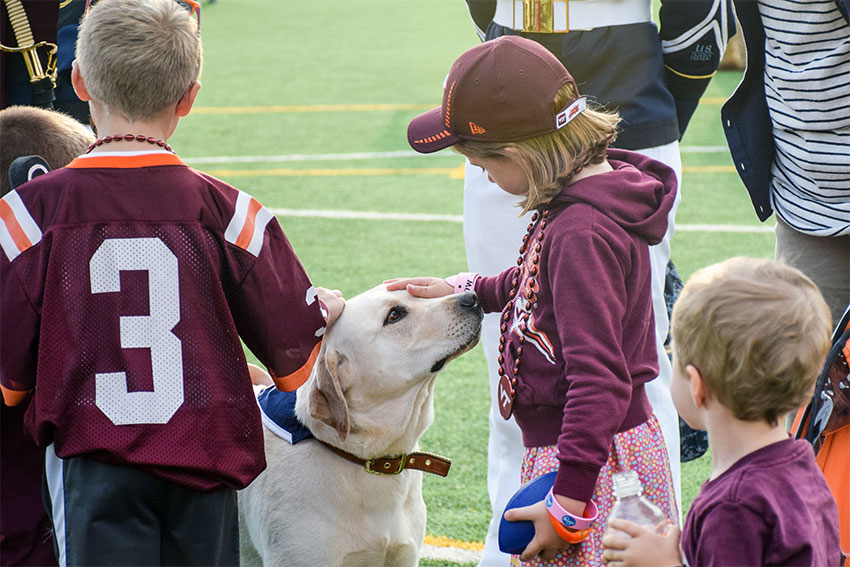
(394, 315)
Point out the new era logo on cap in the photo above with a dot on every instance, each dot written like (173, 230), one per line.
(475, 128)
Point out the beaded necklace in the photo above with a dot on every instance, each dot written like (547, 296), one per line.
(130, 138)
(507, 385)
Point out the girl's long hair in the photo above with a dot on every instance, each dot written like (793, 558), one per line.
(550, 160)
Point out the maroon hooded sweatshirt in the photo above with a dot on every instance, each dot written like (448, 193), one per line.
(589, 345)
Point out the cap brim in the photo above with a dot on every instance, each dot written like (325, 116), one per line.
(427, 133)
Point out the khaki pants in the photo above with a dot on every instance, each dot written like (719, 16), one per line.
(825, 259)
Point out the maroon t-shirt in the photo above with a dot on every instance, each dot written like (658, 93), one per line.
(127, 281)
(772, 507)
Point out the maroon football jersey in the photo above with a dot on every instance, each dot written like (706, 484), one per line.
(127, 281)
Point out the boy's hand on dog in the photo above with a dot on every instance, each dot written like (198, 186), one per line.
(333, 302)
(421, 287)
(546, 543)
(633, 545)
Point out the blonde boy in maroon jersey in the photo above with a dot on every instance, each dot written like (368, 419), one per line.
(127, 280)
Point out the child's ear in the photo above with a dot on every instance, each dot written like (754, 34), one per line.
(184, 105)
(699, 389)
(79, 83)
(512, 152)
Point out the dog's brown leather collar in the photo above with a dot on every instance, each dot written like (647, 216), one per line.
(427, 462)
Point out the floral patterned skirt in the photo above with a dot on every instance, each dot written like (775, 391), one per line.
(639, 449)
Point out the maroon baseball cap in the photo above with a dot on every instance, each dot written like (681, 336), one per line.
(499, 91)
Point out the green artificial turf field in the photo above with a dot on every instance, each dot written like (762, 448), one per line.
(305, 105)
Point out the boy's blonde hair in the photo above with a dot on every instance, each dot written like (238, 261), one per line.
(138, 57)
(550, 160)
(28, 130)
(757, 331)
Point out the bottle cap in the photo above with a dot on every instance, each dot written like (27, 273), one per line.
(627, 483)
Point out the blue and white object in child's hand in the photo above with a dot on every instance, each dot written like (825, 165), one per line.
(514, 536)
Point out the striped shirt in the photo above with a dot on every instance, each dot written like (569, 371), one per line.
(807, 85)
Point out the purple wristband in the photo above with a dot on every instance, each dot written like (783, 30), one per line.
(567, 519)
(464, 281)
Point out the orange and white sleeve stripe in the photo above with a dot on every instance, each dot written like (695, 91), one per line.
(248, 225)
(18, 230)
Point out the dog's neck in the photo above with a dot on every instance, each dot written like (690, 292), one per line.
(398, 431)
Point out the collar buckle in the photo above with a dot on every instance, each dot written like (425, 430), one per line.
(385, 466)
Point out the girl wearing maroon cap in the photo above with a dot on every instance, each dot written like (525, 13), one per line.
(577, 336)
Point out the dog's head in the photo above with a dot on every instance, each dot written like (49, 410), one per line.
(373, 380)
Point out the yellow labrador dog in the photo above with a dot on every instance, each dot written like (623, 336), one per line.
(370, 398)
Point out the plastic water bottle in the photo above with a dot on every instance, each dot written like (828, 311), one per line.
(631, 505)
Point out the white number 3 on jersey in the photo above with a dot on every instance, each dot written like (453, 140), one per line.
(153, 331)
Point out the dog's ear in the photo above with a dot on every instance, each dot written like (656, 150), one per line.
(327, 401)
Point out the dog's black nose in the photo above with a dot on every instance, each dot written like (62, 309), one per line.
(468, 300)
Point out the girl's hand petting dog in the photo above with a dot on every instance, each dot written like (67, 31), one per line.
(421, 287)
(633, 545)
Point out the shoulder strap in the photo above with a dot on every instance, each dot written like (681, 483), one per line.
(829, 408)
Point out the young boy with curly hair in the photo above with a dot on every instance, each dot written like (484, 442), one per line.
(127, 280)
(749, 337)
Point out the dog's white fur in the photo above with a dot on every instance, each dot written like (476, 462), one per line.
(371, 394)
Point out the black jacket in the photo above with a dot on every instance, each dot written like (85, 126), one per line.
(745, 116)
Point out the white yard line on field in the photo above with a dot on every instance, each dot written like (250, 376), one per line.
(310, 157)
(447, 549)
(365, 215)
(453, 554)
(379, 155)
(385, 216)
(326, 108)
(424, 217)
